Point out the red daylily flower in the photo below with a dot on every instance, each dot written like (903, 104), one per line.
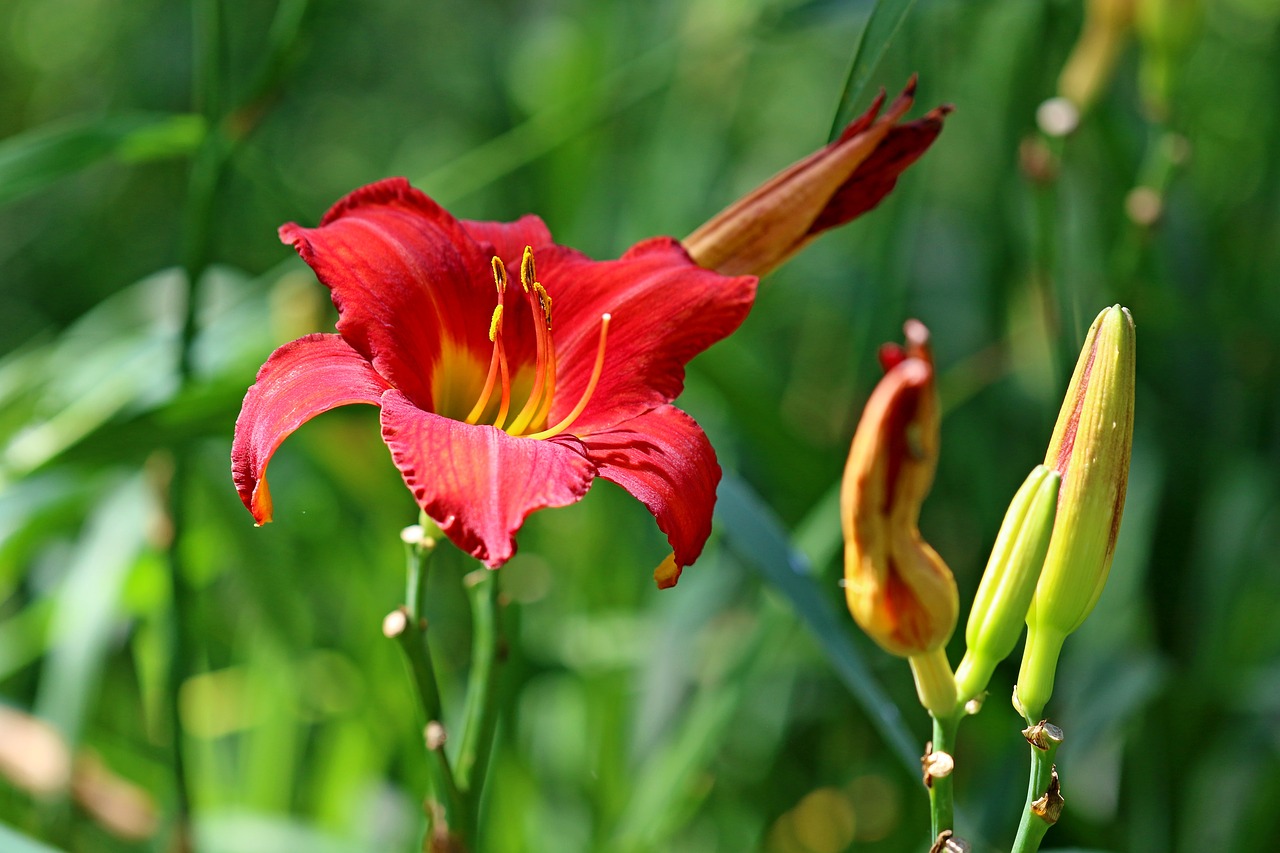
(493, 406)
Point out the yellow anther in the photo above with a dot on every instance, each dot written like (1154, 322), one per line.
(499, 277)
(495, 324)
(527, 276)
(544, 302)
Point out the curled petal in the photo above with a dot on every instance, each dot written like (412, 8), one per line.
(476, 482)
(664, 459)
(299, 381)
(665, 310)
(406, 277)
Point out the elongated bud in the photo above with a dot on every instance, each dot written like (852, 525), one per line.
(1092, 63)
(896, 586)
(828, 188)
(1090, 448)
(1004, 594)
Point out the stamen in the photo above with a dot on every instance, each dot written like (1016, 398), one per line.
(527, 275)
(544, 302)
(506, 387)
(548, 393)
(499, 275)
(544, 299)
(596, 371)
(495, 327)
(542, 376)
(495, 323)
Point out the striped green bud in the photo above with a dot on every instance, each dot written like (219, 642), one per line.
(1004, 594)
(1090, 448)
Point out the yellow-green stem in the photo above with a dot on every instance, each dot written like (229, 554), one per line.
(1043, 799)
(941, 790)
(935, 683)
(479, 714)
(448, 817)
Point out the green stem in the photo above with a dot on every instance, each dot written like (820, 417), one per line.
(1044, 802)
(448, 818)
(479, 714)
(941, 790)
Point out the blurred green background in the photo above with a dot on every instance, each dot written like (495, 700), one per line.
(147, 142)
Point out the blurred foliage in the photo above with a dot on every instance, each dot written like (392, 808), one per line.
(144, 142)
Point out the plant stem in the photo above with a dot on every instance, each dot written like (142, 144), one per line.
(1044, 801)
(448, 818)
(480, 712)
(938, 765)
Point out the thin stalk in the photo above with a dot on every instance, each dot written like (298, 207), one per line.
(938, 765)
(1044, 800)
(448, 818)
(479, 714)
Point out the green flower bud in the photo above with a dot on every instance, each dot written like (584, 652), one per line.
(1004, 594)
(1090, 448)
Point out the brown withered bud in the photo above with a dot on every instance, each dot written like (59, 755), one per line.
(896, 586)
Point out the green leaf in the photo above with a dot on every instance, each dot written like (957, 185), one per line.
(873, 43)
(12, 841)
(757, 537)
(87, 608)
(32, 160)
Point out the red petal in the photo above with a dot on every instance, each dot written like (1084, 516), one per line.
(508, 239)
(403, 273)
(477, 482)
(863, 122)
(663, 458)
(665, 309)
(299, 381)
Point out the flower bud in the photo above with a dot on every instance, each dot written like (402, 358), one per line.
(897, 587)
(1004, 594)
(828, 188)
(1092, 63)
(1090, 448)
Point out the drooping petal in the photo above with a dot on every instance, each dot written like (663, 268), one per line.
(299, 381)
(508, 239)
(665, 310)
(477, 482)
(404, 275)
(664, 459)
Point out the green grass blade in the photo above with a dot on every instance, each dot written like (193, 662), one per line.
(873, 42)
(32, 160)
(756, 536)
